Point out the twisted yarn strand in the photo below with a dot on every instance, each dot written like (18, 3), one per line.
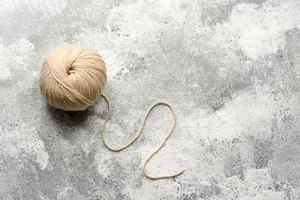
(139, 132)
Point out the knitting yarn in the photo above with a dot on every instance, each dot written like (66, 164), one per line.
(72, 77)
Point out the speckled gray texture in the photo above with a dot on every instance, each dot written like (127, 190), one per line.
(231, 68)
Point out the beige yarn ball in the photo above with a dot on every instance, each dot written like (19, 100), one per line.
(72, 77)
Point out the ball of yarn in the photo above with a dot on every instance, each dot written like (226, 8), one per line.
(72, 77)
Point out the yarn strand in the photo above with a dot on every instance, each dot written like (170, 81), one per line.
(139, 132)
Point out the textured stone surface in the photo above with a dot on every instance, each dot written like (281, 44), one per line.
(231, 68)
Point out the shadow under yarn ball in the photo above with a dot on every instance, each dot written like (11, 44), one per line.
(68, 118)
(72, 77)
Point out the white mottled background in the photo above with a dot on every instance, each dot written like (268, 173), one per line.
(231, 68)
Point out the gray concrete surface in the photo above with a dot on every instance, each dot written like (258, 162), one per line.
(230, 67)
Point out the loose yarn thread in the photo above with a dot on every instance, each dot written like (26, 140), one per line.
(139, 132)
(72, 78)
